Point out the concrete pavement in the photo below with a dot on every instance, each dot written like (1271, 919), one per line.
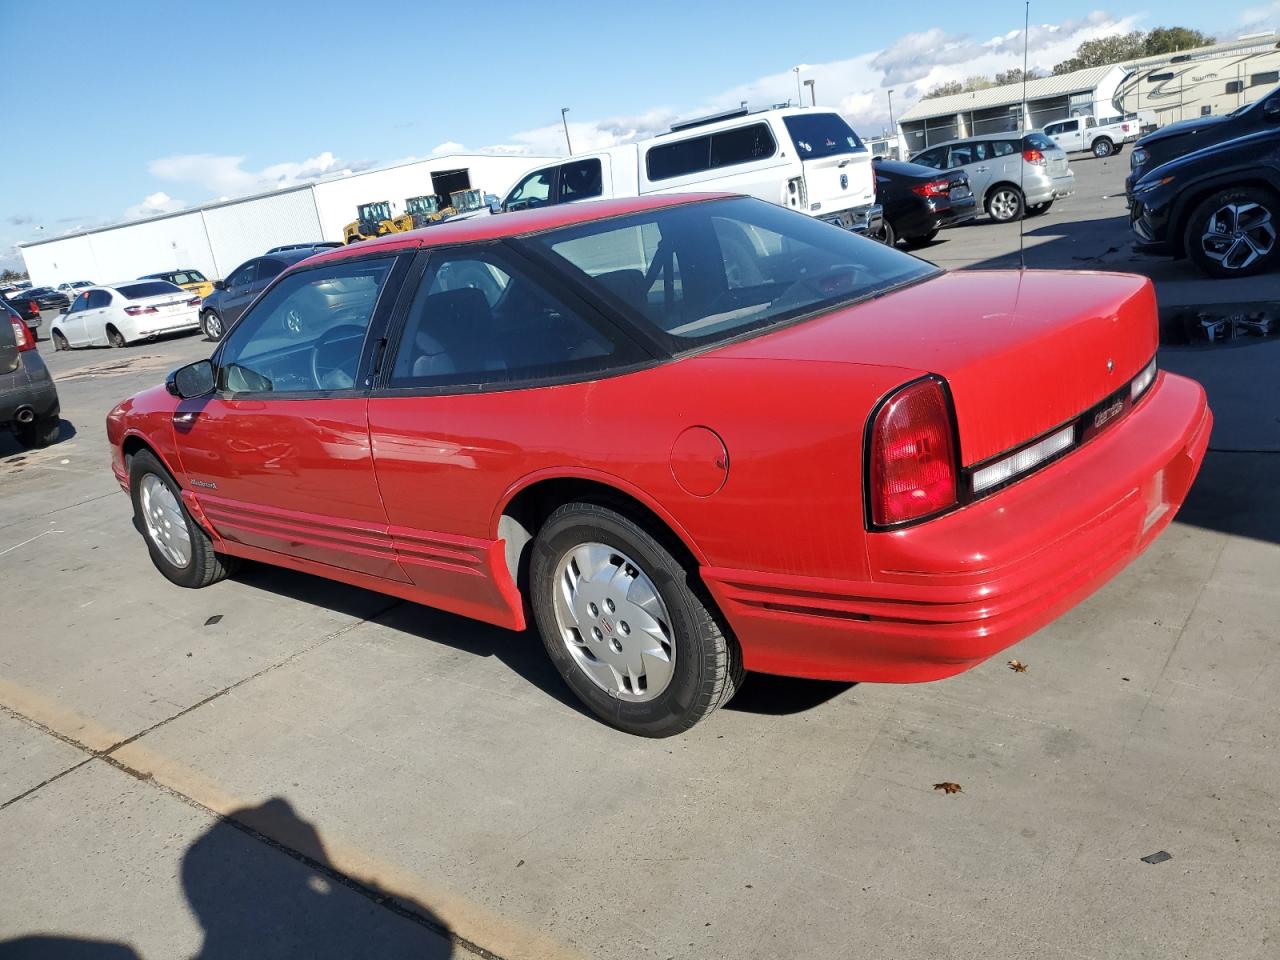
(281, 766)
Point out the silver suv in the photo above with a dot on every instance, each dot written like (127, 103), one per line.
(1010, 175)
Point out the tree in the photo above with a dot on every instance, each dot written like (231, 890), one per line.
(948, 89)
(10, 275)
(1014, 75)
(1132, 46)
(1098, 53)
(1172, 39)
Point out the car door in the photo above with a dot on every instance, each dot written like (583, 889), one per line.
(536, 189)
(241, 288)
(278, 456)
(93, 319)
(971, 157)
(72, 322)
(478, 327)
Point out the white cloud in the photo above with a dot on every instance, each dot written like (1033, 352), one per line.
(227, 176)
(449, 146)
(1260, 18)
(158, 202)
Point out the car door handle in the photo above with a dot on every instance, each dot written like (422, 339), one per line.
(980, 169)
(184, 419)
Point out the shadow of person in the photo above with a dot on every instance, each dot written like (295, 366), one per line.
(47, 947)
(281, 897)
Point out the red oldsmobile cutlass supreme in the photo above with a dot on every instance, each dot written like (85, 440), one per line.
(687, 435)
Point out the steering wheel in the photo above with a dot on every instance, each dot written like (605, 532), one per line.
(823, 285)
(332, 355)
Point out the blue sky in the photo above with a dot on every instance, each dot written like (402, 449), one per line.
(128, 108)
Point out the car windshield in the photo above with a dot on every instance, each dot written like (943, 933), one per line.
(702, 273)
(149, 288)
(822, 135)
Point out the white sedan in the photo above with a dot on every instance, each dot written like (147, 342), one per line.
(124, 313)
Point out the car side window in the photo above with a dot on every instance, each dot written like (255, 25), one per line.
(243, 274)
(1004, 148)
(307, 334)
(959, 155)
(533, 191)
(98, 299)
(269, 269)
(931, 158)
(81, 303)
(477, 319)
(580, 180)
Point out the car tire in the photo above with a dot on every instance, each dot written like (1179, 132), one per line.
(116, 338)
(1036, 209)
(40, 433)
(1102, 147)
(1233, 232)
(59, 341)
(179, 547)
(886, 234)
(211, 324)
(923, 240)
(1005, 204)
(587, 553)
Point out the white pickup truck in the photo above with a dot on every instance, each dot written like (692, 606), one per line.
(1086, 134)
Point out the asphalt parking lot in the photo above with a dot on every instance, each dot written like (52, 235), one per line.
(283, 766)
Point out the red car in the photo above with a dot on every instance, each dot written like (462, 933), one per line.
(687, 436)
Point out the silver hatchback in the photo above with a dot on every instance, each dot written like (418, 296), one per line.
(1010, 175)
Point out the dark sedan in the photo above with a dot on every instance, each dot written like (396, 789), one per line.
(1218, 206)
(919, 201)
(1177, 139)
(231, 296)
(23, 306)
(47, 298)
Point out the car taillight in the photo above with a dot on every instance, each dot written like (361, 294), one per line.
(193, 302)
(22, 334)
(135, 311)
(934, 188)
(1032, 155)
(912, 455)
(33, 306)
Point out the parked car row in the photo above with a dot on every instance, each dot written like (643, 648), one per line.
(1209, 190)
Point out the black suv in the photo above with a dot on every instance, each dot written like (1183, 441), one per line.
(1219, 206)
(233, 295)
(1177, 139)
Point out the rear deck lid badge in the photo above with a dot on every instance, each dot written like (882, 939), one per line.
(844, 181)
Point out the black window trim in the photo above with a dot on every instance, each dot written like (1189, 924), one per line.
(551, 277)
(370, 351)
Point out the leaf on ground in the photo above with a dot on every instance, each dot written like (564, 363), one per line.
(947, 787)
(1017, 666)
(212, 620)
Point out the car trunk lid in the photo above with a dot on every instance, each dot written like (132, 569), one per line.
(1021, 353)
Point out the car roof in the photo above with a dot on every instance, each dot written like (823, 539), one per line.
(981, 136)
(520, 223)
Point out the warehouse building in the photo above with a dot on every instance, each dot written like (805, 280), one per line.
(1171, 87)
(216, 237)
(1001, 109)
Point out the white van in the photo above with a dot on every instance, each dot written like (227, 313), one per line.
(799, 157)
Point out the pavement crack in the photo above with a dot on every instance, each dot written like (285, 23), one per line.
(44, 783)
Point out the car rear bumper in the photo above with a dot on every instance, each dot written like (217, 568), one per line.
(1046, 189)
(947, 594)
(30, 386)
(865, 219)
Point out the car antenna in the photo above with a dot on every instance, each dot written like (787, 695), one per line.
(1022, 167)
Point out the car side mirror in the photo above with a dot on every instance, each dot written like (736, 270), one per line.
(219, 284)
(193, 380)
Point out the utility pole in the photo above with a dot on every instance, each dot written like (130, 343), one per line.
(563, 111)
(893, 129)
(799, 95)
(813, 95)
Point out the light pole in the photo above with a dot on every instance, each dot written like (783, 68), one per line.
(563, 111)
(813, 96)
(799, 95)
(893, 128)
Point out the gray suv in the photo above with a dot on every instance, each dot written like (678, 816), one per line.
(28, 398)
(1010, 175)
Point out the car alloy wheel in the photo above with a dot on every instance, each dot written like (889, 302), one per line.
(213, 326)
(1238, 235)
(1005, 205)
(163, 521)
(59, 341)
(1102, 148)
(613, 622)
(116, 338)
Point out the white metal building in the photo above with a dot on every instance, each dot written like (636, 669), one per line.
(1001, 110)
(216, 237)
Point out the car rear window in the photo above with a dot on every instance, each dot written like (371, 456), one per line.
(151, 288)
(703, 273)
(822, 135)
(1039, 141)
